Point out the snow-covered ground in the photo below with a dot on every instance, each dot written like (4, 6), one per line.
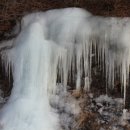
(83, 111)
(3, 99)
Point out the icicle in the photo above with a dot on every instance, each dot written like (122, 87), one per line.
(78, 66)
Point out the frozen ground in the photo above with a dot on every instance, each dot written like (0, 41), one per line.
(82, 111)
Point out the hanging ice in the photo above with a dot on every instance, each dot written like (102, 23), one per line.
(59, 43)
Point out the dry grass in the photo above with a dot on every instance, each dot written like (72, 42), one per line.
(87, 121)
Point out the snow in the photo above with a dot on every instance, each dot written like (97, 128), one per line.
(125, 117)
(59, 42)
(2, 99)
(111, 114)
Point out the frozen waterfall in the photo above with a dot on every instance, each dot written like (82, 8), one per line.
(59, 43)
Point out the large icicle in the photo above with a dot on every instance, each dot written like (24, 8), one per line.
(33, 66)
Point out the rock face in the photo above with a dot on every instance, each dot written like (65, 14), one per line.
(10, 12)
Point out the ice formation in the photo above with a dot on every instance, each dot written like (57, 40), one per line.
(59, 44)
